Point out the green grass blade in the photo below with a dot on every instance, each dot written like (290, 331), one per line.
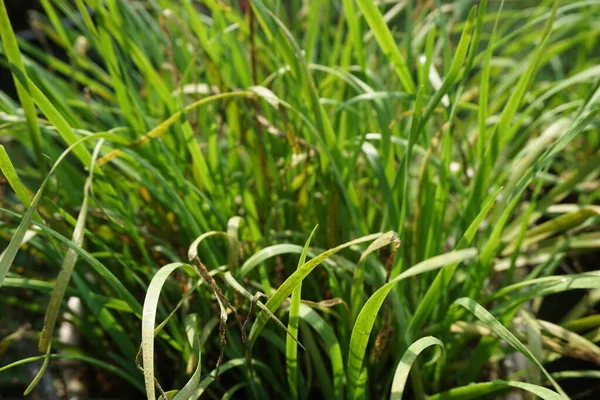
(235, 285)
(291, 348)
(64, 276)
(442, 279)
(517, 95)
(541, 287)
(386, 41)
(149, 318)
(55, 117)
(10, 253)
(62, 281)
(11, 49)
(294, 280)
(357, 289)
(366, 319)
(8, 169)
(215, 373)
(100, 269)
(191, 326)
(90, 360)
(576, 374)
(482, 390)
(11, 175)
(492, 323)
(109, 323)
(326, 332)
(406, 362)
(453, 72)
(268, 252)
(164, 126)
(284, 114)
(354, 29)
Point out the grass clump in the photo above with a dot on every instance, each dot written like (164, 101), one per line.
(165, 163)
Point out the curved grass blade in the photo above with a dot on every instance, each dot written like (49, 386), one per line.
(357, 289)
(228, 395)
(163, 127)
(366, 319)
(259, 257)
(149, 318)
(481, 390)
(409, 357)
(492, 323)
